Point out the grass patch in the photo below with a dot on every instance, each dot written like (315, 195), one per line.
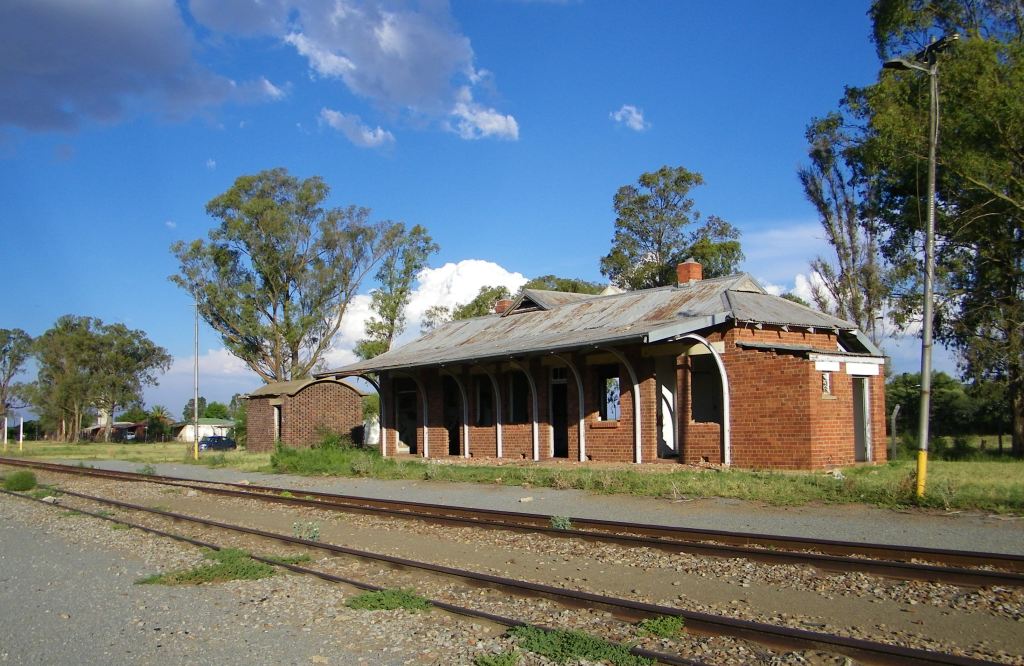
(499, 659)
(119, 526)
(572, 646)
(388, 600)
(44, 491)
(71, 513)
(289, 559)
(664, 626)
(228, 564)
(20, 481)
(148, 470)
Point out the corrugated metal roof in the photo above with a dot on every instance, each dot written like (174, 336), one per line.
(646, 315)
(292, 387)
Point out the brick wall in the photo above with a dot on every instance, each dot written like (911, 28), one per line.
(779, 417)
(323, 405)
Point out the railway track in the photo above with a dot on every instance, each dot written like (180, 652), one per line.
(769, 635)
(954, 567)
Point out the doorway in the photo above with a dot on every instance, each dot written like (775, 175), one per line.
(405, 420)
(560, 420)
(452, 400)
(861, 419)
(665, 371)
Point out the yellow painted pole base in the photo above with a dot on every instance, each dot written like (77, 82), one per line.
(922, 472)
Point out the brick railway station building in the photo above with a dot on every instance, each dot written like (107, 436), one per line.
(298, 412)
(715, 371)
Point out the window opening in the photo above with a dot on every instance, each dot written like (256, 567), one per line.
(705, 390)
(608, 392)
(518, 396)
(484, 402)
(826, 383)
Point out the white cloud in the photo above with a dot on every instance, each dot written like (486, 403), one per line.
(170, 224)
(631, 117)
(221, 375)
(474, 121)
(404, 57)
(270, 91)
(355, 131)
(211, 163)
(448, 285)
(66, 63)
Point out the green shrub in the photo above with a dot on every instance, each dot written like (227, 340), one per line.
(330, 440)
(289, 559)
(498, 659)
(664, 626)
(561, 522)
(573, 646)
(388, 600)
(148, 470)
(361, 466)
(20, 481)
(229, 564)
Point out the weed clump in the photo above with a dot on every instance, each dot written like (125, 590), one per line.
(309, 531)
(574, 646)
(664, 626)
(389, 600)
(229, 564)
(148, 470)
(289, 559)
(561, 522)
(20, 481)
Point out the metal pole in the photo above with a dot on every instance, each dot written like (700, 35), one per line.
(5, 434)
(195, 393)
(929, 277)
(21, 433)
(892, 431)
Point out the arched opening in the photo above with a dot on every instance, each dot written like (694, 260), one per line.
(709, 396)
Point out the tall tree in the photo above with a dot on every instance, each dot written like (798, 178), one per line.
(188, 412)
(216, 410)
(852, 287)
(406, 256)
(657, 227)
(980, 213)
(482, 304)
(279, 272)
(15, 349)
(61, 393)
(124, 361)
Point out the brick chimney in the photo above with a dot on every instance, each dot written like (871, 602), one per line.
(689, 271)
(502, 305)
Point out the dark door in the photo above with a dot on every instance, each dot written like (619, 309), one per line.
(405, 417)
(560, 419)
(452, 414)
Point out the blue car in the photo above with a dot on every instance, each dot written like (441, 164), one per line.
(217, 443)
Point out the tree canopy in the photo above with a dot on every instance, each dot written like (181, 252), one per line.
(979, 309)
(403, 260)
(85, 364)
(15, 349)
(277, 275)
(657, 226)
(571, 285)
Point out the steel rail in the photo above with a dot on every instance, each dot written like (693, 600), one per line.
(659, 657)
(899, 566)
(626, 609)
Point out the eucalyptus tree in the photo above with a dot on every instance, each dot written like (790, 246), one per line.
(405, 257)
(657, 226)
(15, 350)
(278, 273)
(979, 309)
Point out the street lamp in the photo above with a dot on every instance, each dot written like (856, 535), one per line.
(926, 60)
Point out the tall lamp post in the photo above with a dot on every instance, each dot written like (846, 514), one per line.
(926, 60)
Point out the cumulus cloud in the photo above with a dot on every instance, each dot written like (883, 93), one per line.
(631, 117)
(63, 63)
(404, 57)
(355, 131)
(473, 121)
(448, 285)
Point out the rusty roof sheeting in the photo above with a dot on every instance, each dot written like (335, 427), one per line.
(646, 315)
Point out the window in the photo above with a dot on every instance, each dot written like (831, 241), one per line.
(608, 392)
(826, 383)
(518, 395)
(484, 402)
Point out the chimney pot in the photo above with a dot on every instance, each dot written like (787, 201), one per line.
(502, 305)
(689, 271)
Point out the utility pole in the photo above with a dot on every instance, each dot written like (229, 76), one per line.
(927, 61)
(195, 392)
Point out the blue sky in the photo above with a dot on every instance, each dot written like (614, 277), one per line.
(502, 126)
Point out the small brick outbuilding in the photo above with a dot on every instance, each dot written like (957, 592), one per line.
(716, 371)
(298, 412)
